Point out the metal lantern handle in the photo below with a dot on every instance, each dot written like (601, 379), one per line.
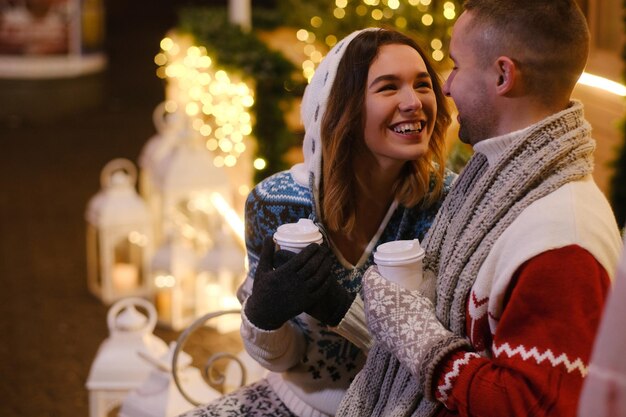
(211, 361)
(132, 301)
(159, 117)
(118, 164)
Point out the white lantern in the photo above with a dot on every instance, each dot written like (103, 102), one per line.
(159, 396)
(173, 273)
(184, 181)
(220, 272)
(168, 127)
(118, 368)
(118, 235)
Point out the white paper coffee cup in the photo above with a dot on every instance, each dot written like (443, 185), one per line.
(296, 236)
(400, 261)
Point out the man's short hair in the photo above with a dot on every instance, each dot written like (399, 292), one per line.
(548, 40)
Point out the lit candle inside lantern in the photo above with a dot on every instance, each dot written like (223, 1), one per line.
(164, 304)
(125, 277)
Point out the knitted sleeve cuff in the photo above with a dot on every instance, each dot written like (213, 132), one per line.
(437, 353)
(276, 350)
(354, 327)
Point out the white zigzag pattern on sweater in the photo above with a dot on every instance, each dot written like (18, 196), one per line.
(456, 370)
(533, 353)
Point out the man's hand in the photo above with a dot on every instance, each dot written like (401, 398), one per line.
(404, 323)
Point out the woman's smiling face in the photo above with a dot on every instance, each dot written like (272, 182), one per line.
(400, 106)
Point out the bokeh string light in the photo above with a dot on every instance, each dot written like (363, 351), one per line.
(216, 103)
(428, 19)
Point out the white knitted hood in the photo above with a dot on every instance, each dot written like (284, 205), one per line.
(312, 111)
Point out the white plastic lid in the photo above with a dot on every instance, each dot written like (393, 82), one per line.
(304, 231)
(398, 252)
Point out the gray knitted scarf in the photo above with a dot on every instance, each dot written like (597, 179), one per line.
(483, 202)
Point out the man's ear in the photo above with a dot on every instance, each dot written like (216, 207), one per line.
(508, 75)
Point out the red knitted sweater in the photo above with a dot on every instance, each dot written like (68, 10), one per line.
(539, 353)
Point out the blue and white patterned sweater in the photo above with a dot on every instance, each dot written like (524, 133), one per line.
(325, 362)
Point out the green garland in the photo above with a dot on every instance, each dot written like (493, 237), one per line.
(274, 76)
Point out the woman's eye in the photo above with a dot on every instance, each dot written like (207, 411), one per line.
(387, 87)
(421, 85)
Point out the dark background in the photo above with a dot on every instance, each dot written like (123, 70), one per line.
(56, 135)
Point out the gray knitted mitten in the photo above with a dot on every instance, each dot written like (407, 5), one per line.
(404, 323)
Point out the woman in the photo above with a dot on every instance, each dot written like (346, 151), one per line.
(374, 117)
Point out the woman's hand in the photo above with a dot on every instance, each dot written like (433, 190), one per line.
(299, 282)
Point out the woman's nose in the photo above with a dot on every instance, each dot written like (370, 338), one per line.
(410, 101)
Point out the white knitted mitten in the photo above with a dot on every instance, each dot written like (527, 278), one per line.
(404, 323)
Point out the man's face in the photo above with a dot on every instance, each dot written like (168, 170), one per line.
(468, 85)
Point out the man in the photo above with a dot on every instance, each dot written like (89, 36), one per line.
(523, 250)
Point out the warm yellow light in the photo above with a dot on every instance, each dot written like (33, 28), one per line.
(308, 64)
(317, 57)
(401, 22)
(425, 2)
(331, 40)
(427, 20)
(449, 14)
(246, 130)
(160, 59)
(437, 55)
(436, 44)
(192, 109)
(164, 281)
(204, 79)
(602, 83)
(166, 44)
(341, 3)
(414, 2)
(247, 101)
(361, 10)
(240, 147)
(339, 13)
(377, 14)
(259, 163)
(222, 76)
(205, 130)
(302, 35)
(308, 73)
(316, 21)
(193, 51)
(211, 144)
(243, 190)
(204, 61)
(161, 73)
(230, 161)
(393, 4)
(226, 145)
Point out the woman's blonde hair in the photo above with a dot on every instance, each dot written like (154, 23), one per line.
(342, 136)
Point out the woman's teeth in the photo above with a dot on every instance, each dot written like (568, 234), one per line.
(409, 128)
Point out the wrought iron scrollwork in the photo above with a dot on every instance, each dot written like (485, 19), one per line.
(208, 370)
